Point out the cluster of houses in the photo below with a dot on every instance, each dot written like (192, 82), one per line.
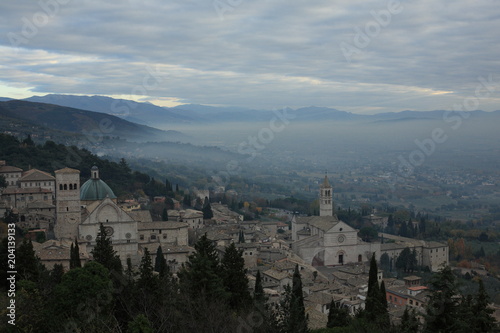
(331, 257)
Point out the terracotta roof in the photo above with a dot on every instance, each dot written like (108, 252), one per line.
(36, 175)
(8, 168)
(277, 275)
(67, 170)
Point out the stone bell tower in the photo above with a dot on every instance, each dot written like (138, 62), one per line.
(325, 198)
(68, 208)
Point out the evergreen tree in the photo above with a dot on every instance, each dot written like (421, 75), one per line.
(146, 277)
(297, 321)
(74, 260)
(57, 273)
(140, 324)
(422, 226)
(409, 322)
(403, 229)
(482, 319)
(83, 299)
(168, 186)
(258, 293)
(235, 278)
(104, 253)
(383, 295)
(27, 262)
(3, 182)
(207, 210)
(407, 260)
(376, 303)
(338, 316)
(164, 214)
(200, 276)
(443, 311)
(241, 237)
(385, 261)
(390, 225)
(160, 262)
(186, 201)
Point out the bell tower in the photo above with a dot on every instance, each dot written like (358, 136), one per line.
(68, 208)
(325, 198)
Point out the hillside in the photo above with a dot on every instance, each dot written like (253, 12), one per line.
(141, 113)
(153, 115)
(93, 125)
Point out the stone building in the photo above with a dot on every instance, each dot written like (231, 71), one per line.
(327, 241)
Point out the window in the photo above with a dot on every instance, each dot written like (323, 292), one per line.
(141, 237)
(164, 236)
(153, 236)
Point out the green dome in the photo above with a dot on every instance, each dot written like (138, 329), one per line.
(96, 189)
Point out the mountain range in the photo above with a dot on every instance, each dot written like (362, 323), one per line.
(156, 116)
(88, 123)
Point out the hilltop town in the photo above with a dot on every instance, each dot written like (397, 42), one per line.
(59, 210)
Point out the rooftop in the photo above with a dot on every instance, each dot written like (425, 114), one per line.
(36, 175)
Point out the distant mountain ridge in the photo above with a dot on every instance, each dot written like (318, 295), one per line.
(80, 121)
(153, 115)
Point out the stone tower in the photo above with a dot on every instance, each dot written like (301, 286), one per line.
(68, 208)
(325, 198)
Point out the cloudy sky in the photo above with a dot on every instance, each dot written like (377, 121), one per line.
(359, 56)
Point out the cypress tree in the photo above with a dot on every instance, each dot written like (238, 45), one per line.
(338, 316)
(74, 261)
(482, 320)
(258, 293)
(164, 214)
(207, 210)
(376, 303)
(146, 277)
(104, 253)
(160, 262)
(297, 321)
(235, 278)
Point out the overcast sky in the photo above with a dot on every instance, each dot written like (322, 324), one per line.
(417, 55)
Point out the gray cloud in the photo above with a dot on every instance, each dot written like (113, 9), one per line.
(259, 54)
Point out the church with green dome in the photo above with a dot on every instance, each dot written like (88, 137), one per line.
(95, 188)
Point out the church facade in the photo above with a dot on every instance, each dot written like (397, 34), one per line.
(327, 241)
(80, 210)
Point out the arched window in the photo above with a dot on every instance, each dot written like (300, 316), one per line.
(60, 187)
(75, 186)
(360, 258)
(65, 187)
(70, 186)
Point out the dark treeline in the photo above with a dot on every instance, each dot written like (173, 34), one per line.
(208, 294)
